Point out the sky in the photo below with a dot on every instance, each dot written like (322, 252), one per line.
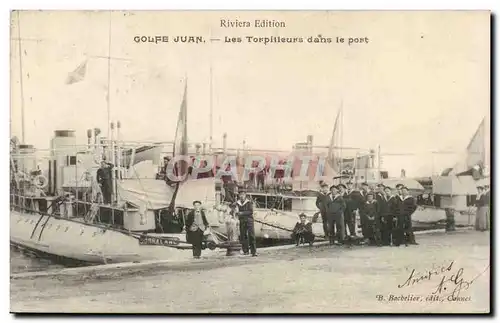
(420, 84)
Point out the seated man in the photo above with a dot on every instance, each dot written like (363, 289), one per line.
(303, 231)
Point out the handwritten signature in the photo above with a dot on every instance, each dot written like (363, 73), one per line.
(416, 277)
(459, 283)
(450, 279)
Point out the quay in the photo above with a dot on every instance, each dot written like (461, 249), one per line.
(321, 279)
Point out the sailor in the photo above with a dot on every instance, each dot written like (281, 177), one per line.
(104, 178)
(404, 224)
(230, 188)
(365, 189)
(335, 209)
(381, 199)
(349, 217)
(321, 202)
(373, 221)
(388, 217)
(244, 212)
(196, 227)
(261, 175)
(303, 231)
(354, 203)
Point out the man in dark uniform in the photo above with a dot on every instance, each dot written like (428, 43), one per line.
(244, 212)
(354, 203)
(383, 210)
(104, 178)
(349, 215)
(335, 209)
(373, 221)
(302, 232)
(362, 216)
(321, 202)
(409, 206)
(388, 217)
(394, 208)
(404, 229)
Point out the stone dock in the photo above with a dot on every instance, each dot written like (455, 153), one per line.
(318, 279)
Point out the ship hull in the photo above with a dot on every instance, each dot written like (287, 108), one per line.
(79, 242)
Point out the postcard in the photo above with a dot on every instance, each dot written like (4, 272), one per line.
(250, 162)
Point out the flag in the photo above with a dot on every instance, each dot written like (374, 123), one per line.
(181, 141)
(78, 74)
(180, 146)
(332, 158)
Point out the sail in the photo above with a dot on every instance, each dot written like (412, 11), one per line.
(181, 141)
(476, 149)
(333, 159)
(154, 195)
(180, 146)
(475, 158)
(131, 157)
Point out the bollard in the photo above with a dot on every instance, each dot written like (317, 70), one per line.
(450, 219)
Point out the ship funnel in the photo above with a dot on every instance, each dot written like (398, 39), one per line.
(26, 159)
(224, 143)
(309, 143)
(63, 150)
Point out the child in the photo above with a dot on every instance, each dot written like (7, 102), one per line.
(372, 213)
(303, 231)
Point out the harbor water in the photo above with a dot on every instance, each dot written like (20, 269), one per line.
(24, 261)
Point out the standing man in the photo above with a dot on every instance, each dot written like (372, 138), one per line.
(349, 214)
(354, 204)
(365, 189)
(244, 212)
(405, 227)
(394, 206)
(372, 211)
(105, 180)
(335, 209)
(261, 175)
(388, 217)
(383, 206)
(196, 225)
(321, 203)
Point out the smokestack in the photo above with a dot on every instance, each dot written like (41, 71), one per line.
(97, 132)
(89, 137)
(309, 142)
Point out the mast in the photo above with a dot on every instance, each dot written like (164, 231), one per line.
(21, 75)
(341, 137)
(211, 122)
(379, 165)
(211, 108)
(109, 77)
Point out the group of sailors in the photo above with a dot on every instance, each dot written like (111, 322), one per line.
(384, 213)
